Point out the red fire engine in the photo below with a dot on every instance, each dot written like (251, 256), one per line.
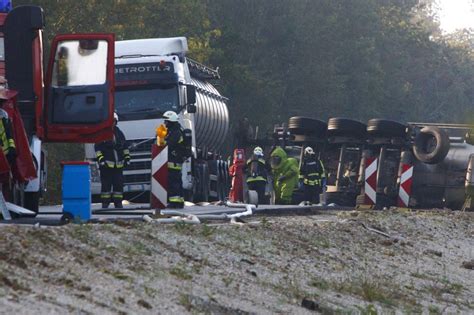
(71, 102)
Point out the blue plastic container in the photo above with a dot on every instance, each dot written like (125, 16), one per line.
(76, 191)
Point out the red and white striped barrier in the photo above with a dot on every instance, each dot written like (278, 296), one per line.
(370, 188)
(406, 180)
(159, 177)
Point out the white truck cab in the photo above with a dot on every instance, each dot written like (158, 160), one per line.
(152, 77)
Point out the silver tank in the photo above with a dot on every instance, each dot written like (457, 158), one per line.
(212, 116)
(442, 183)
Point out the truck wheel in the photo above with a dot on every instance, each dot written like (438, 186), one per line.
(386, 128)
(307, 126)
(31, 202)
(67, 218)
(201, 193)
(345, 127)
(431, 145)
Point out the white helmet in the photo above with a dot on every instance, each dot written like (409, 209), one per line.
(258, 151)
(309, 151)
(116, 117)
(170, 116)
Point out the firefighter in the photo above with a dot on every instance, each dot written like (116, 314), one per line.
(112, 155)
(285, 175)
(312, 176)
(257, 174)
(176, 156)
(6, 137)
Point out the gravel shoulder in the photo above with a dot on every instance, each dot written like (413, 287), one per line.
(333, 263)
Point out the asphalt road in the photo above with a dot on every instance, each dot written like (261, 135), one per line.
(51, 215)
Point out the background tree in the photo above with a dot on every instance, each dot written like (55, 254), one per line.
(320, 58)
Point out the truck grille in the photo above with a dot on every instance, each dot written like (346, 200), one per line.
(134, 166)
(142, 147)
(137, 178)
(139, 153)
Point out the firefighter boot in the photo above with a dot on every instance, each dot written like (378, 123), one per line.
(118, 200)
(105, 197)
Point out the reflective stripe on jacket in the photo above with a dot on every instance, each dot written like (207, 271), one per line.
(174, 166)
(256, 169)
(312, 172)
(113, 152)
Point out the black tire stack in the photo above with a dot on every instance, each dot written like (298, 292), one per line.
(307, 128)
(344, 127)
(384, 128)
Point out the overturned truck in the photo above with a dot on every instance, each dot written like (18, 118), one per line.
(386, 163)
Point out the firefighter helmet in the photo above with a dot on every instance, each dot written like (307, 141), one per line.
(309, 151)
(170, 116)
(258, 151)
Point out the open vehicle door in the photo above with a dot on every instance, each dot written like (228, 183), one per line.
(79, 93)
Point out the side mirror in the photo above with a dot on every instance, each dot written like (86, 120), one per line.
(190, 94)
(191, 108)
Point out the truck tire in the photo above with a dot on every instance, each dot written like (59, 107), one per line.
(201, 187)
(345, 127)
(307, 126)
(66, 218)
(386, 128)
(431, 145)
(31, 202)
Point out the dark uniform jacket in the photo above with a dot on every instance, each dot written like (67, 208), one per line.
(256, 169)
(113, 152)
(312, 171)
(175, 142)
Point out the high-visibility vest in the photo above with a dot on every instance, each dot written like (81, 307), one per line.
(6, 138)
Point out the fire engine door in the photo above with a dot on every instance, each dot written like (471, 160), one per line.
(79, 95)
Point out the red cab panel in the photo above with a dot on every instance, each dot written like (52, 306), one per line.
(79, 95)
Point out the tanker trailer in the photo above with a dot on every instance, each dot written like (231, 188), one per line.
(154, 76)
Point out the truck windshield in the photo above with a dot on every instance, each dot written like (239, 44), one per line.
(145, 102)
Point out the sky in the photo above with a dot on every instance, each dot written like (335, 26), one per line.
(456, 14)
